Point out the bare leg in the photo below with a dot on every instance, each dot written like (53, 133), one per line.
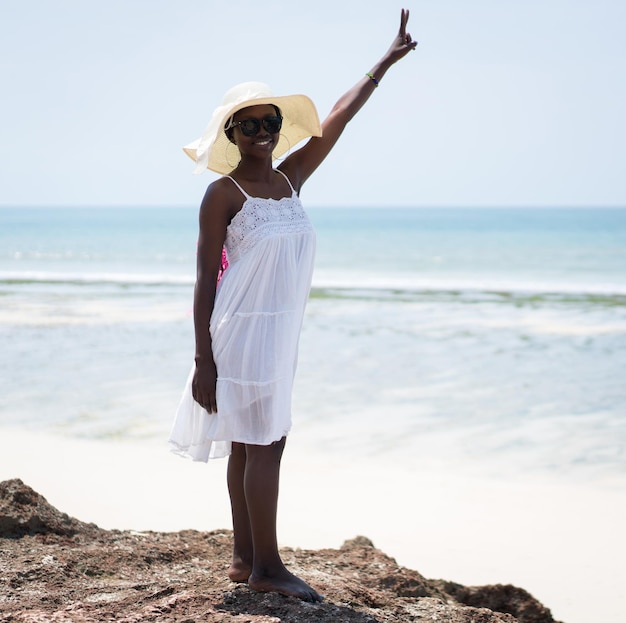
(241, 566)
(269, 574)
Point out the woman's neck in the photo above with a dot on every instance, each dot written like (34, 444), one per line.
(254, 171)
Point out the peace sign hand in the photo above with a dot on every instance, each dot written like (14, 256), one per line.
(403, 43)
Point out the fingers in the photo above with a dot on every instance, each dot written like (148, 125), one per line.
(206, 401)
(403, 35)
(408, 41)
(203, 386)
(404, 18)
(209, 403)
(212, 406)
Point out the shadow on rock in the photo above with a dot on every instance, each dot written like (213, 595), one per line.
(244, 601)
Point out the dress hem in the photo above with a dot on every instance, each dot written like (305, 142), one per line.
(201, 452)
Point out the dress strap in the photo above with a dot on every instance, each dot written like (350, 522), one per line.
(293, 190)
(247, 196)
(236, 183)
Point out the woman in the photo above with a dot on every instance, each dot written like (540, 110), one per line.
(238, 397)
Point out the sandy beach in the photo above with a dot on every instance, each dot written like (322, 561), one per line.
(561, 542)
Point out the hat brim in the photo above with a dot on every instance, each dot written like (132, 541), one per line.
(300, 121)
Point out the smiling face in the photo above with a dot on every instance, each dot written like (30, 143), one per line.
(263, 141)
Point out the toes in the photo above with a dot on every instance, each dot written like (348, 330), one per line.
(313, 596)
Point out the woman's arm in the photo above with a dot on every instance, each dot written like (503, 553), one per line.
(214, 217)
(301, 164)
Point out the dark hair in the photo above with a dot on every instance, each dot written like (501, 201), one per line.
(229, 132)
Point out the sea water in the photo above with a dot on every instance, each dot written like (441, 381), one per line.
(484, 339)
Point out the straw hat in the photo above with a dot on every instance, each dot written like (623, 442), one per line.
(300, 120)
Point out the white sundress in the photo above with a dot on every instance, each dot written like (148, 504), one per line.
(255, 328)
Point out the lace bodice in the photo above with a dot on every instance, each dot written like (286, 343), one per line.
(261, 218)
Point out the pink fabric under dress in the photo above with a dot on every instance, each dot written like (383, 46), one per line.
(255, 329)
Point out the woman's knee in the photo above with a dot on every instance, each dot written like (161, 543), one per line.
(272, 452)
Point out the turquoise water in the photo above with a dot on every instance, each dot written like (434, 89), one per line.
(550, 249)
(494, 339)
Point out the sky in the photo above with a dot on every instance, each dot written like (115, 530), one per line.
(502, 103)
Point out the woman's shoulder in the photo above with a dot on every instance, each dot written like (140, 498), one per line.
(222, 185)
(221, 195)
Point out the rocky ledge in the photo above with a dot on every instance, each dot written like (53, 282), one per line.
(57, 569)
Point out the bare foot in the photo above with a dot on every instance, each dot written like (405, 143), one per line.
(239, 570)
(285, 583)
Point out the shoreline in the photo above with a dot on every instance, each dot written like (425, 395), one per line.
(559, 541)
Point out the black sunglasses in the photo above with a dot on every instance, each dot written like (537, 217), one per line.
(251, 127)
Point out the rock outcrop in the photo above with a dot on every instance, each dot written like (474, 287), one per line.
(54, 568)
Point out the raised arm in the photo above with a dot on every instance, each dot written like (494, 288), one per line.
(301, 164)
